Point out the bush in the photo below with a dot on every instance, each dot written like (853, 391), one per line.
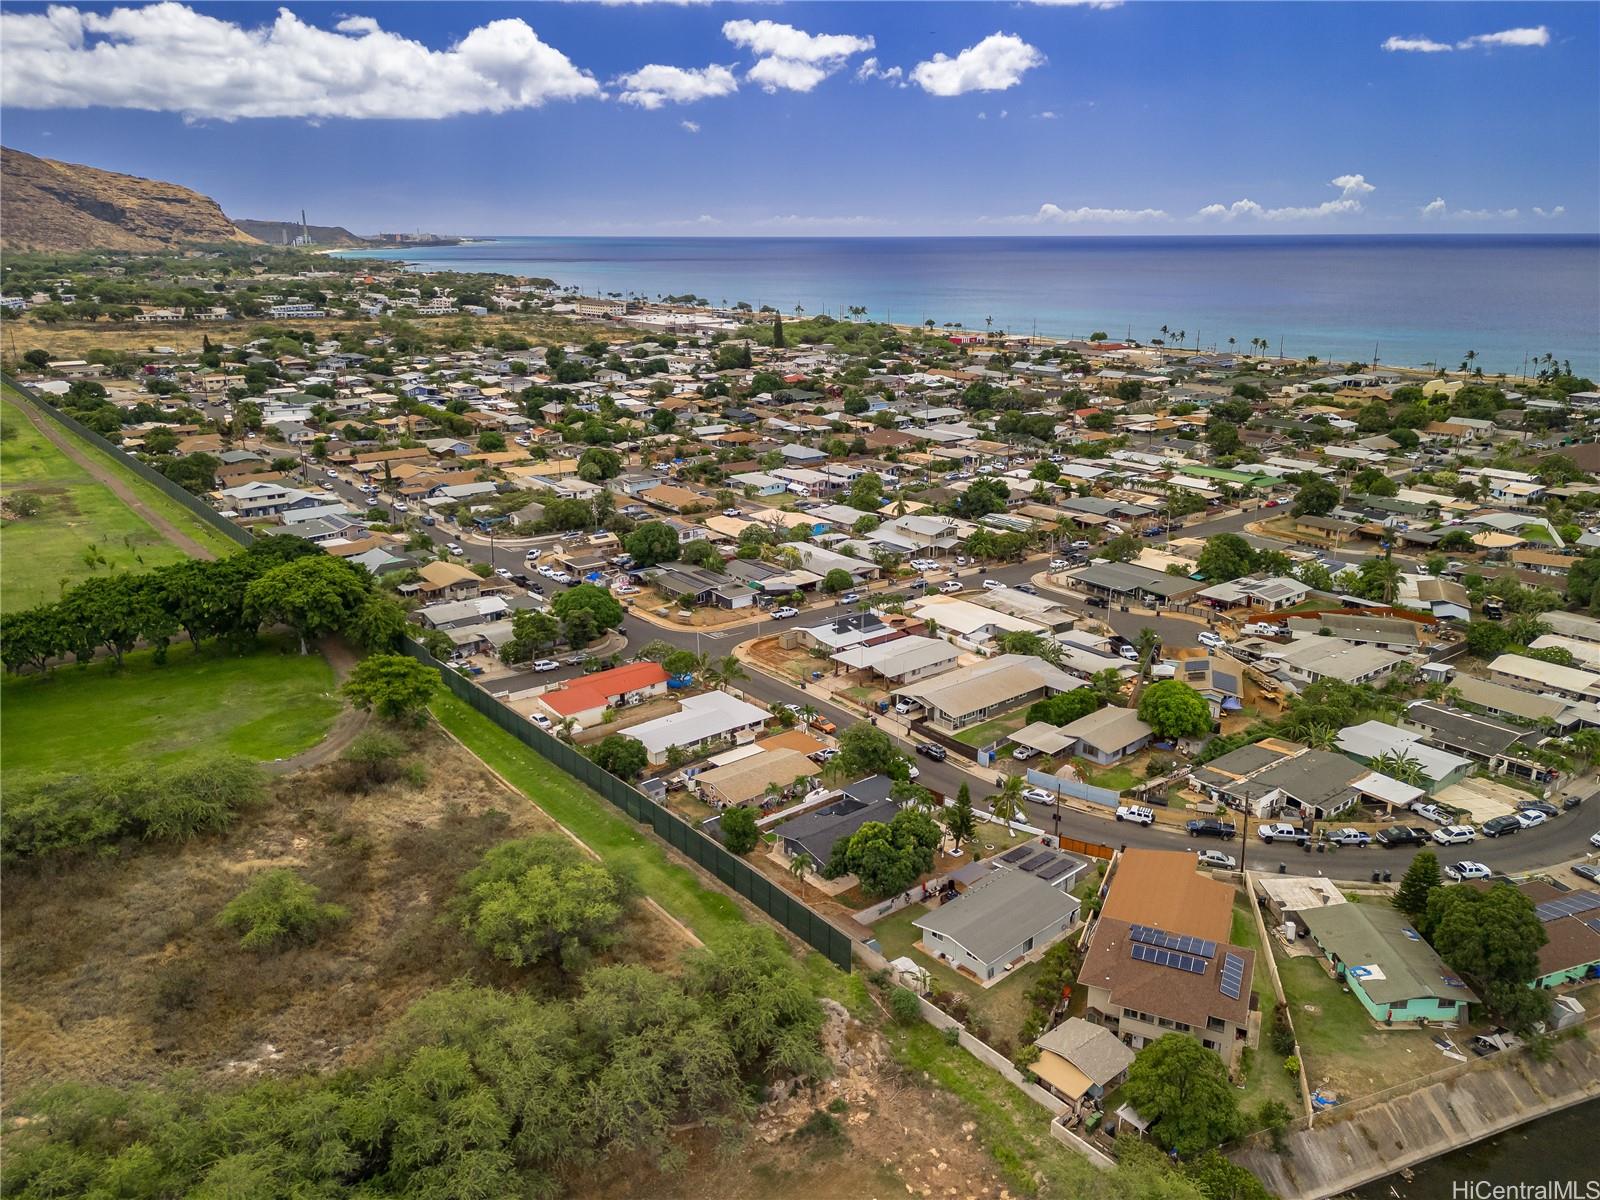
(739, 833)
(541, 898)
(278, 910)
(370, 761)
(905, 1006)
(1282, 1037)
(57, 814)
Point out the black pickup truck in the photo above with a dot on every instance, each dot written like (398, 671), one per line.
(1210, 827)
(1403, 835)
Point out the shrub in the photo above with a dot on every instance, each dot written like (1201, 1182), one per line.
(739, 833)
(903, 1003)
(61, 814)
(278, 910)
(540, 898)
(370, 761)
(1282, 1037)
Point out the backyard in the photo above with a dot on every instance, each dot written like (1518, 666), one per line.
(1344, 1051)
(1264, 1076)
(271, 703)
(994, 730)
(1001, 1007)
(82, 528)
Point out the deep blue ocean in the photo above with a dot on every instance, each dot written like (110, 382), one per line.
(1415, 299)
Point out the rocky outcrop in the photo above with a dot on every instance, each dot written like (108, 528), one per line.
(64, 207)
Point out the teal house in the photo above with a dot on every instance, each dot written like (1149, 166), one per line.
(1388, 967)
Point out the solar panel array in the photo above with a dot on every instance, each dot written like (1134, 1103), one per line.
(1051, 873)
(1567, 906)
(1033, 864)
(1169, 958)
(1232, 983)
(1181, 942)
(1015, 856)
(1593, 923)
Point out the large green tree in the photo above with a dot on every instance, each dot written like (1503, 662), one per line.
(1491, 938)
(739, 832)
(651, 543)
(1418, 884)
(1226, 556)
(596, 601)
(1183, 1090)
(314, 596)
(1174, 710)
(623, 756)
(1316, 498)
(887, 858)
(865, 750)
(395, 686)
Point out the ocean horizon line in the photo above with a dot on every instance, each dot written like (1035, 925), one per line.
(1451, 235)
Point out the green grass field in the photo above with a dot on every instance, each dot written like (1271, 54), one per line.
(995, 729)
(79, 515)
(266, 705)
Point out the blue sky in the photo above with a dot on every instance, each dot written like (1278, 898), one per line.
(719, 119)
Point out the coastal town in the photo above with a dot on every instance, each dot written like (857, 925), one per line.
(1127, 710)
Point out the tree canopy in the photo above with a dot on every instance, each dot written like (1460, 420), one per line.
(1174, 710)
(1183, 1090)
(651, 543)
(395, 686)
(887, 859)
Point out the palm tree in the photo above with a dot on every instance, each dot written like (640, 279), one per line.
(730, 670)
(808, 713)
(1399, 765)
(1147, 643)
(564, 728)
(800, 865)
(1319, 736)
(1006, 804)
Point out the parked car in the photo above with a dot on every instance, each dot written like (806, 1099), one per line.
(1531, 818)
(732, 512)
(1026, 589)
(1538, 806)
(949, 587)
(1210, 640)
(991, 585)
(1432, 812)
(1211, 827)
(1350, 837)
(1465, 870)
(453, 548)
(542, 721)
(546, 664)
(923, 564)
(850, 598)
(1098, 602)
(1402, 835)
(1594, 839)
(826, 753)
(1024, 753)
(1216, 858)
(1138, 814)
(1039, 796)
(1281, 832)
(1059, 564)
(1261, 629)
(1128, 652)
(932, 750)
(822, 725)
(1496, 826)
(784, 613)
(1455, 835)
(904, 707)
(1589, 871)
(1080, 545)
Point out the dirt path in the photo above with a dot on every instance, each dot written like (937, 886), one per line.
(346, 726)
(101, 472)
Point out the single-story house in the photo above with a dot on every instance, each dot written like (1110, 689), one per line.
(586, 698)
(459, 613)
(901, 660)
(1131, 583)
(1373, 739)
(748, 779)
(700, 721)
(1108, 734)
(1080, 1061)
(443, 581)
(814, 833)
(996, 922)
(1391, 971)
(972, 694)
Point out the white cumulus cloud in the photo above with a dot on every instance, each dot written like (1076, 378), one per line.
(1526, 36)
(1053, 214)
(993, 65)
(1416, 45)
(1437, 209)
(690, 126)
(654, 85)
(1351, 189)
(1536, 36)
(1559, 210)
(870, 69)
(168, 58)
(789, 58)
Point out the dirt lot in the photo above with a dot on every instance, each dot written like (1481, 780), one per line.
(115, 970)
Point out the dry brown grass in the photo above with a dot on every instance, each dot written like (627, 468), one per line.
(115, 970)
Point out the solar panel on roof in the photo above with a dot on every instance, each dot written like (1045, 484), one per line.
(1056, 871)
(1163, 957)
(1017, 855)
(1232, 980)
(1567, 906)
(1033, 864)
(1593, 923)
(1182, 942)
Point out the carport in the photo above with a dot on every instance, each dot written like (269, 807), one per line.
(1043, 737)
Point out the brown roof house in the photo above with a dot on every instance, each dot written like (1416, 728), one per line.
(1159, 960)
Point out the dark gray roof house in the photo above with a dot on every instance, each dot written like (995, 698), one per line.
(816, 832)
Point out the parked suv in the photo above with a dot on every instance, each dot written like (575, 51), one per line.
(1211, 827)
(1135, 813)
(1495, 826)
(932, 750)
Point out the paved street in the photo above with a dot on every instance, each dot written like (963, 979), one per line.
(1559, 841)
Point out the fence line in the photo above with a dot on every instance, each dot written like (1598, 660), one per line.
(794, 915)
(149, 474)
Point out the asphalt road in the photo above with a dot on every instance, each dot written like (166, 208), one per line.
(1559, 841)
